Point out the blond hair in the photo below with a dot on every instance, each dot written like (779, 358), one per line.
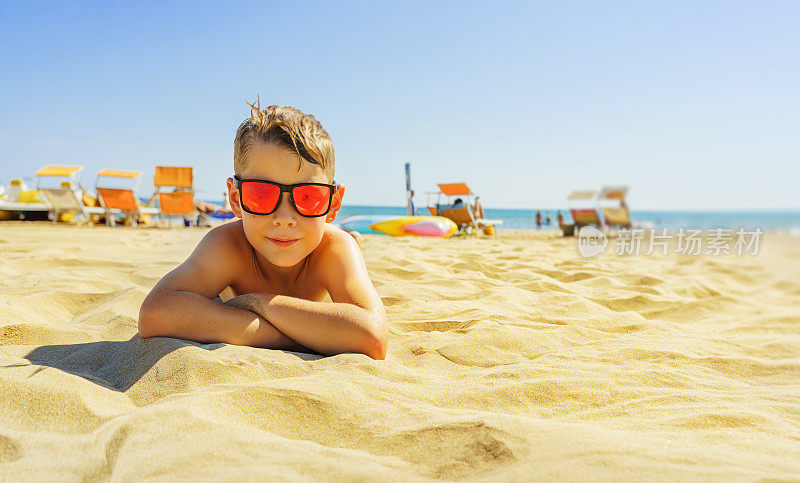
(285, 127)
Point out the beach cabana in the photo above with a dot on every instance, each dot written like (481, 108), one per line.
(122, 200)
(180, 200)
(582, 208)
(67, 197)
(613, 205)
(461, 214)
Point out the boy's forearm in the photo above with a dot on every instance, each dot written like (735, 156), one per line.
(187, 315)
(326, 327)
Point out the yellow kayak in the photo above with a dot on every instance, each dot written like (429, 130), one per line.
(433, 226)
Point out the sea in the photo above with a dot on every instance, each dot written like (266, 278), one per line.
(525, 219)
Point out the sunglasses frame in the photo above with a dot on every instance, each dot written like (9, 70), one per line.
(285, 188)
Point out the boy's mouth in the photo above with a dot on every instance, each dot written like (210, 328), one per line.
(283, 242)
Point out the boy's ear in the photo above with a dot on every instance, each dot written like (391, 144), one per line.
(233, 198)
(336, 203)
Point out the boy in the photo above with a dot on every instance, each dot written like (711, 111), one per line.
(281, 260)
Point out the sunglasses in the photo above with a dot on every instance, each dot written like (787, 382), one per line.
(260, 197)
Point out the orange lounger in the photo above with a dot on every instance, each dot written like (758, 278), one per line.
(179, 201)
(122, 199)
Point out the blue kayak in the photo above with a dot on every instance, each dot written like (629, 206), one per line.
(361, 223)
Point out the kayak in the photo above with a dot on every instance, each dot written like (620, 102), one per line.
(428, 226)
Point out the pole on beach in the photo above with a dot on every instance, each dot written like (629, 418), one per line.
(409, 201)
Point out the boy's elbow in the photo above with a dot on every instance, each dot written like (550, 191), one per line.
(377, 349)
(149, 318)
(378, 340)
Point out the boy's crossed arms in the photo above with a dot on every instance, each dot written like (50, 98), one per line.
(277, 313)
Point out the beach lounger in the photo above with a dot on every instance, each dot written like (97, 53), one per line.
(179, 201)
(582, 208)
(616, 215)
(584, 215)
(67, 198)
(466, 222)
(462, 217)
(123, 200)
(611, 201)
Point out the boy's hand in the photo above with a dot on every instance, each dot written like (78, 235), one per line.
(251, 303)
(247, 301)
(254, 303)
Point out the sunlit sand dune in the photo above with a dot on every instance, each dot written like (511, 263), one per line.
(511, 357)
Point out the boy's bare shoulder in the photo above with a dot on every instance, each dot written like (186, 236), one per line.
(343, 272)
(336, 239)
(337, 247)
(227, 239)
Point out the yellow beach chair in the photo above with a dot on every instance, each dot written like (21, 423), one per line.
(122, 200)
(615, 209)
(179, 201)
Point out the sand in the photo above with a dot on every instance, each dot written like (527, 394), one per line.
(509, 358)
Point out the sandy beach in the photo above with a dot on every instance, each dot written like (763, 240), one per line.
(509, 358)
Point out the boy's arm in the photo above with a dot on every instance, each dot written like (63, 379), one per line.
(180, 304)
(355, 320)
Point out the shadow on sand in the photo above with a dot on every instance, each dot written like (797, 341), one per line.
(117, 365)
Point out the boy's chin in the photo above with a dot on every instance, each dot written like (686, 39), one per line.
(283, 260)
(285, 264)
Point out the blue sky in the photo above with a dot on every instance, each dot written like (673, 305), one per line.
(695, 105)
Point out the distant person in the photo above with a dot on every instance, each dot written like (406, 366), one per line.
(548, 220)
(411, 202)
(560, 219)
(538, 220)
(477, 208)
(458, 203)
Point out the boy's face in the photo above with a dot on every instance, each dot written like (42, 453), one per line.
(283, 237)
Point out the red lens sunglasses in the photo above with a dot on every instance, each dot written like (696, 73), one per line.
(261, 197)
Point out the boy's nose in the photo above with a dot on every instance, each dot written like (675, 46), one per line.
(285, 215)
